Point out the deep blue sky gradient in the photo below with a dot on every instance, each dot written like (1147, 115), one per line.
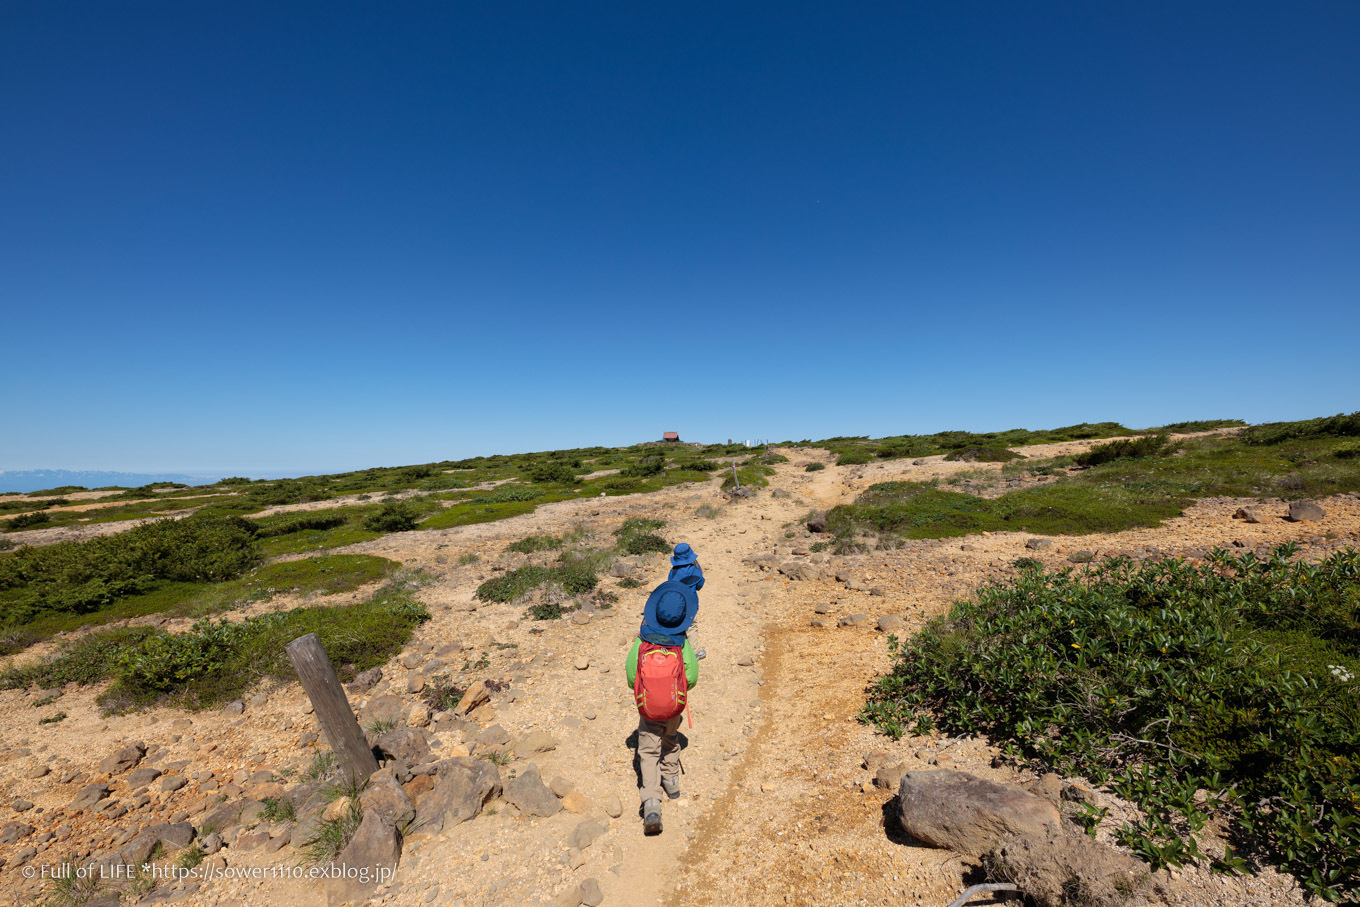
(263, 238)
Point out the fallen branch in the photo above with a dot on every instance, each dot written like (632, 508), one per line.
(988, 888)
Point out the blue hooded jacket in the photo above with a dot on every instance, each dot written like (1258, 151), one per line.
(685, 567)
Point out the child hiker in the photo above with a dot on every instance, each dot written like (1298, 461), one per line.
(685, 567)
(661, 669)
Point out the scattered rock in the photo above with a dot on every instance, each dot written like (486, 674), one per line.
(90, 795)
(621, 569)
(571, 897)
(852, 620)
(1081, 557)
(173, 836)
(1049, 868)
(21, 806)
(1039, 544)
(365, 680)
(1076, 792)
(586, 833)
(211, 844)
(37, 771)
(582, 662)
(492, 736)
(823, 608)
(415, 683)
(386, 709)
(968, 815)
(889, 776)
(561, 786)
(476, 695)
(409, 744)
(463, 787)
(891, 623)
(817, 522)
(142, 777)
(746, 661)
(124, 759)
(574, 802)
(374, 850)
(171, 783)
(1049, 787)
(235, 707)
(13, 831)
(530, 795)
(1249, 514)
(385, 796)
(591, 895)
(1299, 511)
(613, 807)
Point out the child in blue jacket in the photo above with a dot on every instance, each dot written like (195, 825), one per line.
(685, 567)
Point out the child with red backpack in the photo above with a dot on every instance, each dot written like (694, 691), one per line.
(661, 669)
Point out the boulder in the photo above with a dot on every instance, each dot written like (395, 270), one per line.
(90, 795)
(1300, 511)
(476, 695)
(1050, 868)
(1039, 544)
(1081, 557)
(533, 743)
(586, 833)
(530, 795)
(13, 831)
(1248, 514)
(142, 777)
(968, 815)
(891, 623)
(889, 776)
(591, 895)
(852, 620)
(387, 709)
(175, 836)
(124, 759)
(370, 859)
(385, 796)
(365, 680)
(139, 850)
(817, 522)
(409, 744)
(621, 569)
(492, 736)
(463, 786)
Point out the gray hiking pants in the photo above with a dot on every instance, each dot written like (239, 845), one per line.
(658, 754)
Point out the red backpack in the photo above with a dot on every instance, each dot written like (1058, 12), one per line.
(660, 686)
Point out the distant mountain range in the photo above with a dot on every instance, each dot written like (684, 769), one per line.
(24, 480)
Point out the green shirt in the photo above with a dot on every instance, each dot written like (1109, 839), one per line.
(691, 664)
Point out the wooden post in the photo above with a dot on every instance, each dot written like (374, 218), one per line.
(332, 708)
(734, 475)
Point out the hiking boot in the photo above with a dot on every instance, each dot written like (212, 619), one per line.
(671, 786)
(651, 817)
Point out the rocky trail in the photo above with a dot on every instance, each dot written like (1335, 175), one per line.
(779, 802)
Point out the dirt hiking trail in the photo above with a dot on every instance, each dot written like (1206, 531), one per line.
(777, 804)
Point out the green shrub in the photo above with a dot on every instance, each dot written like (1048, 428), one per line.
(394, 516)
(530, 544)
(25, 520)
(573, 577)
(1199, 425)
(79, 577)
(975, 454)
(1235, 678)
(1125, 449)
(1338, 426)
(302, 522)
(699, 465)
(551, 472)
(814, 467)
(854, 458)
(215, 662)
(646, 466)
(637, 536)
(508, 494)
(1346, 453)
(86, 660)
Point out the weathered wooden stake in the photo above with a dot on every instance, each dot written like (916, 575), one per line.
(734, 475)
(332, 708)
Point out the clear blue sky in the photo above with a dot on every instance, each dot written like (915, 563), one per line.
(262, 237)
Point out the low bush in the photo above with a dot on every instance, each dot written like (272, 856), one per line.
(637, 536)
(573, 577)
(508, 494)
(814, 467)
(25, 520)
(301, 522)
(551, 472)
(1235, 679)
(1157, 445)
(1338, 426)
(646, 466)
(80, 577)
(1199, 425)
(975, 454)
(394, 516)
(854, 458)
(530, 544)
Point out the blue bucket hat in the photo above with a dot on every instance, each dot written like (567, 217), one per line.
(683, 555)
(669, 611)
